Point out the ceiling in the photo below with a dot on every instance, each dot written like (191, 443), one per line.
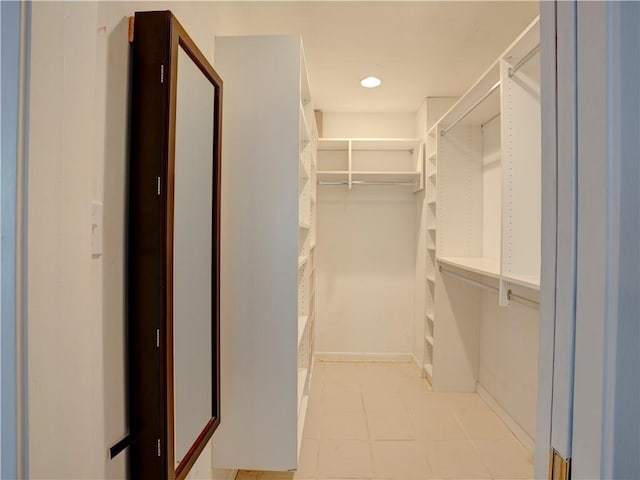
(417, 48)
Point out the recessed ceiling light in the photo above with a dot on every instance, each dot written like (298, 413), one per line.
(370, 82)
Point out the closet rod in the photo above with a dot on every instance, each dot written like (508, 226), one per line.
(471, 108)
(510, 295)
(525, 59)
(361, 182)
(468, 280)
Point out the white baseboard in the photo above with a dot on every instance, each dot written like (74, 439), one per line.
(364, 357)
(527, 441)
(415, 361)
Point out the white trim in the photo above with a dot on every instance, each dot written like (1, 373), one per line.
(364, 357)
(548, 235)
(527, 441)
(416, 362)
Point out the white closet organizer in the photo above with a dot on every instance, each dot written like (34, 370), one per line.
(431, 172)
(268, 245)
(483, 182)
(371, 161)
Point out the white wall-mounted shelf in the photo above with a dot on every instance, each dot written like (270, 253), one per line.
(528, 281)
(303, 321)
(479, 265)
(362, 161)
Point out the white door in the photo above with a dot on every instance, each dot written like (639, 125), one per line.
(589, 400)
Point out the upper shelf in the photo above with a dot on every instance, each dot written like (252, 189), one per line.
(482, 266)
(528, 281)
(369, 144)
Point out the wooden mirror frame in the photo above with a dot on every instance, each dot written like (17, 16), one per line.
(157, 36)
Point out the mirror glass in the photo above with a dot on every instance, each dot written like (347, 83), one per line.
(193, 254)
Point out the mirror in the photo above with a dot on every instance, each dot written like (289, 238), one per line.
(173, 268)
(192, 254)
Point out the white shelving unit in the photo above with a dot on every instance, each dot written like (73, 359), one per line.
(268, 240)
(431, 165)
(363, 161)
(483, 181)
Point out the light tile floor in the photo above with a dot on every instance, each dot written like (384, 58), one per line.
(381, 421)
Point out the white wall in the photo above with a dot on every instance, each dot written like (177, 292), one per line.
(367, 125)
(508, 367)
(77, 154)
(365, 267)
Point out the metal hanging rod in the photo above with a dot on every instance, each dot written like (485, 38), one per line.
(468, 280)
(362, 182)
(471, 108)
(522, 300)
(510, 295)
(525, 59)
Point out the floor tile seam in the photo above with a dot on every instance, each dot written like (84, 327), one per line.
(464, 429)
(482, 459)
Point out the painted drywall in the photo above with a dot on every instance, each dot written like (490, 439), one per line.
(508, 366)
(365, 270)
(367, 125)
(77, 154)
(365, 266)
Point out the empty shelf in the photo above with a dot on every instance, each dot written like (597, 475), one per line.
(302, 260)
(302, 380)
(528, 281)
(332, 175)
(303, 224)
(305, 137)
(302, 325)
(428, 372)
(429, 340)
(483, 266)
(386, 176)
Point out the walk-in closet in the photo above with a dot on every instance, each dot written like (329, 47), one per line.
(382, 273)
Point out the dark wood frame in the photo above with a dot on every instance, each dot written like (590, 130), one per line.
(156, 39)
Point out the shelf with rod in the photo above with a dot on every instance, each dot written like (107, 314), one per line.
(479, 265)
(527, 281)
